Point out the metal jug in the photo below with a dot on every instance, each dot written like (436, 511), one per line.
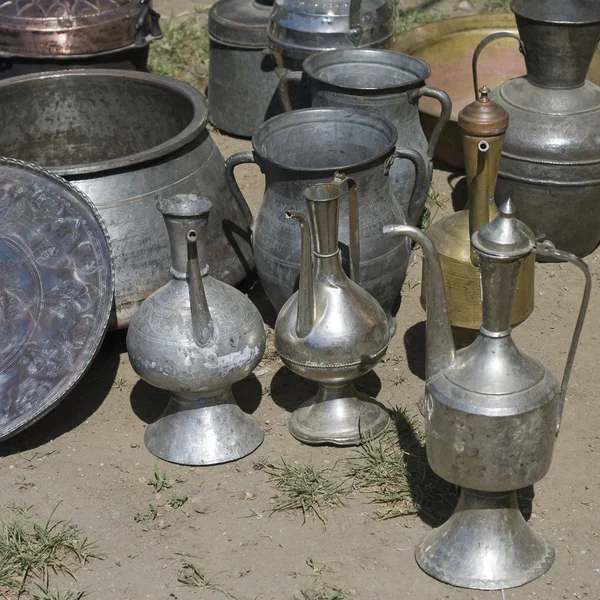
(331, 330)
(492, 415)
(483, 125)
(298, 28)
(196, 336)
(295, 150)
(385, 83)
(551, 160)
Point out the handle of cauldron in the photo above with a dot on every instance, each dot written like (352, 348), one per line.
(444, 117)
(233, 161)
(284, 87)
(484, 42)
(421, 185)
(355, 30)
(547, 249)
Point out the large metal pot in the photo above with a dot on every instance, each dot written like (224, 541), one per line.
(297, 149)
(40, 36)
(386, 83)
(128, 139)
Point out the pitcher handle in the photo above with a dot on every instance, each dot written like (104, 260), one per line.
(283, 89)
(421, 186)
(547, 249)
(443, 119)
(233, 161)
(484, 42)
(353, 225)
(355, 30)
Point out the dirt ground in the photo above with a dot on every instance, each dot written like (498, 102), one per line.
(89, 456)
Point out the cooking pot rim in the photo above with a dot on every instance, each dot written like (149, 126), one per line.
(316, 115)
(192, 130)
(316, 63)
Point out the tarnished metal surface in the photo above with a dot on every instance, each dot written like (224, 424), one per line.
(298, 28)
(68, 28)
(55, 291)
(127, 140)
(331, 330)
(447, 46)
(491, 413)
(483, 125)
(388, 84)
(196, 337)
(297, 149)
(551, 161)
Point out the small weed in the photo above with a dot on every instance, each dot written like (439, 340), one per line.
(183, 51)
(492, 6)
(412, 17)
(30, 554)
(20, 509)
(177, 501)
(322, 593)
(395, 471)
(120, 383)
(191, 576)
(160, 481)
(149, 515)
(305, 488)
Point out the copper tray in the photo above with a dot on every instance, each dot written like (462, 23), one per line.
(56, 291)
(447, 46)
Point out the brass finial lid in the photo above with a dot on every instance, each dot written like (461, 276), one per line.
(483, 117)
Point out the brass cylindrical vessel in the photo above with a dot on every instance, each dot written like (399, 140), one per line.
(483, 126)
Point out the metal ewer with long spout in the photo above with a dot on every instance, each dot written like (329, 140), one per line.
(196, 336)
(492, 414)
(331, 330)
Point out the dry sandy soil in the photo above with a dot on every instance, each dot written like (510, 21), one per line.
(89, 455)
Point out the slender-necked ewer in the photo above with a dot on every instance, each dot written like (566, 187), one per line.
(331, 330)
(492, 415)
(196, 336)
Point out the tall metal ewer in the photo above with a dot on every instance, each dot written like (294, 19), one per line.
(196, 336)
(492, 415)
(331, 330)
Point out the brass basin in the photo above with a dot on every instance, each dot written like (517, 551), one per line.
(447, 46)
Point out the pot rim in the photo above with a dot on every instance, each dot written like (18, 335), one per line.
(325, 115)
(192, 130)
(369, 55)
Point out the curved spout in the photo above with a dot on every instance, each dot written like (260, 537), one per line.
(202, 323)
(306, 293)
(441, 351)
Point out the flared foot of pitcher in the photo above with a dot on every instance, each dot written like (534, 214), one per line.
(203, 431)
(339, 416)
(485, 545)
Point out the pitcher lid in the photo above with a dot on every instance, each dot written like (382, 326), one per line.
(240, 23)
(504, 237)
(483, 117)
(573, 12)
(73, 28)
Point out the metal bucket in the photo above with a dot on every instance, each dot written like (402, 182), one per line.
(127, 140)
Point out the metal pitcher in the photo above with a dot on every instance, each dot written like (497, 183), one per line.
(385, 83)
(196, 336)
(492, 415)
(298, 29)
(295, 150)
(550, 163)
(331, 331)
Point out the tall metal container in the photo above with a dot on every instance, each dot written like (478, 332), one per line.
(242, 80)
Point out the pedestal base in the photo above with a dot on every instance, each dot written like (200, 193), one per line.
(339, 416)
(203, 431)
(485, 545)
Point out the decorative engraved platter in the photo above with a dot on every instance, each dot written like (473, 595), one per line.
(56, 291)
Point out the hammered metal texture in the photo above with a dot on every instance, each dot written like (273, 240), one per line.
(55, 291)
(57, 9)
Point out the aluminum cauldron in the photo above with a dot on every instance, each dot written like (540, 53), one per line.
(297, 149)
(385, 83)
(128, 139)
